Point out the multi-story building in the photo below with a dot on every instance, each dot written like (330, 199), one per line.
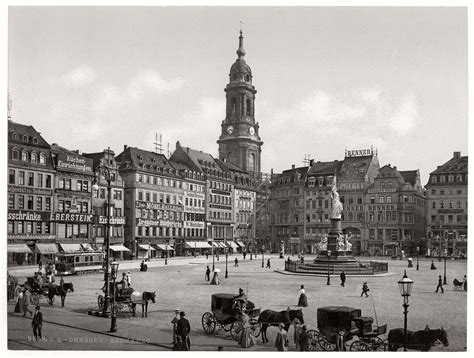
(447, 206)
(31, 178)
(72, 215)
(396, 206)
(100, 211)
(153, 194)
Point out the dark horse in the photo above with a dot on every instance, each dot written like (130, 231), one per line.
(274, 318)
(420, 340)
(55, 290)
(142, 298)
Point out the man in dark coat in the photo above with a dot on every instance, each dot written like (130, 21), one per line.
(304, 339)
(208, 274)
(440, 285)
(343, 278)
(183, 329)
(37, 323)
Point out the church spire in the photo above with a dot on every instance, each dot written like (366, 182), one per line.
(241, 51)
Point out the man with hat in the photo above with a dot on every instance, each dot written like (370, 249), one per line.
(240, 299)
(365, 289)
(37, 323)
(183, 329)
(175, 325)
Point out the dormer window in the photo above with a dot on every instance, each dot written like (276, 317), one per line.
(15, 136)
(25, 138)
(15, 154)
(35, 140)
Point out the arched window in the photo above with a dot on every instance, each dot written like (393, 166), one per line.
(233, 106)
(248, 109)
(251, 163)
(24, 156)
(15, 154)
(247, 78)
(34, 157)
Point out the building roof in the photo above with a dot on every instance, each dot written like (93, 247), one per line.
(410, 176)
(30, 131)
(325, 168)
(354, 167)
(143, 160)
(456, 164)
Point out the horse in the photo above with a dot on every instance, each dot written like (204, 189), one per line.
(142, 298)
(55, 290)
(273, 318)
(420, 340)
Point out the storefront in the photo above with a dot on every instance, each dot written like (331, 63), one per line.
(117, 251)
(197, 248)
(146, 252)
(18, 254)
(45, 253)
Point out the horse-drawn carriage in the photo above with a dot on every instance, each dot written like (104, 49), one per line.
(48, 291)
(348, 322)
(126, 297)
(225, 315)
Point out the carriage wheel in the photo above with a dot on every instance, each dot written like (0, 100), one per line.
(208, 322)
(34, 298)
(255, 329)
(378, 344)
(316, 341)
(236, 330)
(100, 302)
(328, 346)
(359, 346)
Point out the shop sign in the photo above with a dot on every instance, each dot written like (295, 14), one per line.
(114, 220)
(20, 215)
(191, 194)
(162, 223)
(75, 163)
(386, 190)
(194, 224)
(26, 190)
(67, 217)
(359, 153)
(156, 206)
(294, 240)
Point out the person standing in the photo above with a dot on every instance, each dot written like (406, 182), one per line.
(440, 285)
(343, 278)
(37, 323)
(304, 339)
(25, 303)
(282, 341)
(365, 289)
(208, 274)
(183, 329)
(236, 262)
(128, 278)
(174, 321)
(464, 283)
(297, 333)
(207, 256)
(247, 339)
(268, 264)
(245, 254)
(302, 299)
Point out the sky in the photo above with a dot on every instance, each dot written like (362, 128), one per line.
(327, 79)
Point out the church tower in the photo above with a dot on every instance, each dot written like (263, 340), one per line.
(239, 142)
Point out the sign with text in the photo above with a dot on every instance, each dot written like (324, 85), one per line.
(114, 220)
(161, 223)
(68, 217)
(359, 153)
(74, 163)
(156, 206)
(26, 190)
(20, 215)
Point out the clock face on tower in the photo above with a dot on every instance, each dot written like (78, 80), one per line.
(230, 129)
(251, 131)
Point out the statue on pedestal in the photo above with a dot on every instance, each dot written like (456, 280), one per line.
(340, 246)
(348, 245)
(323, 244)
(336, 203)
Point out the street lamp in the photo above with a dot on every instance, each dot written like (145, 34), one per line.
(208, 225)
(445, 255)
(113, 320)
(263, 256)
(226, 256)
(405, 285)
(106, 173)
(329, 260)
(166, 254)
(417, 258)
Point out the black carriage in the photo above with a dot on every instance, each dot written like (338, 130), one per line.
(38, 291)
(347, 321)
(225, 316)
(122, 298)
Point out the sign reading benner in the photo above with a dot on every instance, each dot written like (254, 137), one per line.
(359, 153)
(73, 162)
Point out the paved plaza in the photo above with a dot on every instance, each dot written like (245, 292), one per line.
(181, 285)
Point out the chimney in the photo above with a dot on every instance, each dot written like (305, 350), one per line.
(311, 162)
(178, 144)
(457, 155)
(292, 166)
(395, 167)
(125, 147)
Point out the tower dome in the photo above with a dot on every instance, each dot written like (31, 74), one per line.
(239, 70)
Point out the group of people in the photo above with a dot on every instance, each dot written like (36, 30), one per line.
(181, 330)
(301, 337)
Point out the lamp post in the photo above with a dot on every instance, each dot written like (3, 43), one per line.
(106, 173)
(113, 319)
(445, 255)
(226, 257)
(166, 254)
(329, 260)
(208, 225)
(405, 285)
(263, 256)
(417, 258)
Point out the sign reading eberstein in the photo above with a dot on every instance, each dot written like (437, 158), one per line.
(67, 217)
(75, 163)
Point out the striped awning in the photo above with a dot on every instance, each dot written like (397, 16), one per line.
(19, 249)
(146, 247)
(240, 243)
(118, 248)
(197, 245)
(87, 247)
(46, 249)
(164, 247)
(71, 247)
(232, 244)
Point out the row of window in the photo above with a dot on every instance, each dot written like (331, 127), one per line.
(448, 205)
(157, 231)
(29, 227)
(65, 206)
(312, 182)
(29, 202)
(219, 185)
(451, 178)
(243, 218)
(194, 217)
(25, 138)
(194, 202)
(244, 204)
(157, 197)
(449, 218)
(219, 215)
(159, 214)
(444, 192)
(102, 194)
(29, 157)
(220, 199)
(38, 180)
(313, 204)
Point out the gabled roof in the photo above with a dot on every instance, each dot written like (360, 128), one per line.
(151, 162)
(410, 176)
(30, 131)
(325, 168)
(355, 166)
(455, 165)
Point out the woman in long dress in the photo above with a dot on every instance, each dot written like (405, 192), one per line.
(247, 339)
(302, 299)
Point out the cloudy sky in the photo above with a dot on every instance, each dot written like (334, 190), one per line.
(327, 78)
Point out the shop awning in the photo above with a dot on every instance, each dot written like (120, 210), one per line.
(215, 244)
(146, 247)
(71, 247)
(197, 245)
(232, 244)
(222, 245)
(19, 249)
(118, 248)
(240, 243)
(46, 249)
(87, 247)
(164, 247)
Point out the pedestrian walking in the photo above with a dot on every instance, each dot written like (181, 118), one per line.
(343, 278)
(297, 333)
(128, 279)
(174, 321)
(302, 299)
(236, 262)
(25, 302)
(207, 255)
(365, 289)
(245, 254)
(208, 274)
(37, 323)
(282, 341)
(304, 339)
(268, 264)
(183, 329)
(464, 283)
(440, 285)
